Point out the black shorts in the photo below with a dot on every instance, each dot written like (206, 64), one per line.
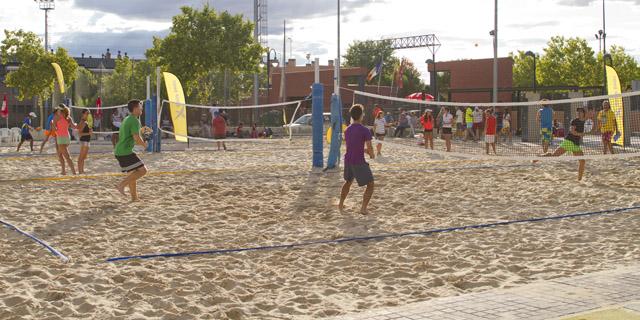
(130, 162)
(380, 135)
(446, 130)
(26, 137)
(219, 136)
(361, 172)
(428, 131)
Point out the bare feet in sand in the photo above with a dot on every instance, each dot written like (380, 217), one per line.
(341, 207)
(364, 212)
(121, 190)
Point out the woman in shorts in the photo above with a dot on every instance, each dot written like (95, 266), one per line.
(61, 123)
(506, 125)
(447, 123)
(427, 125)
(84, 131)
(380, 129)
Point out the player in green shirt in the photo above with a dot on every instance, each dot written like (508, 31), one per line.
(129, 136)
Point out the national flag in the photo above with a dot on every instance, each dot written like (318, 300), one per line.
(99, 108)
(375, 71)
(4, 111)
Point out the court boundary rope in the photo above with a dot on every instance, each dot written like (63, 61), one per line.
(369, 238)
(37, 240)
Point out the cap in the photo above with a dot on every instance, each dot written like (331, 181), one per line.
(32, 114)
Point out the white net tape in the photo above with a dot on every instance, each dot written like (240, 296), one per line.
(278, 129)
(558, 130)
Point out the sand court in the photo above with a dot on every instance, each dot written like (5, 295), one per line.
(204, 200)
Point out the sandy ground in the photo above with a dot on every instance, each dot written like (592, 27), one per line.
(263, 194)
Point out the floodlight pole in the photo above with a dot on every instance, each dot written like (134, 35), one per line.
(495, 54)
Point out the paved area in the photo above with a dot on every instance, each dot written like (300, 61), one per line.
(552, 299)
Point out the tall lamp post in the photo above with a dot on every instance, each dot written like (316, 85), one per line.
(494, 33)
(604, 48)
(434, 78)
(270, 63)
(535, 82)
(46, 5)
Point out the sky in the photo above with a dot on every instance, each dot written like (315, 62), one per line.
(462, 26)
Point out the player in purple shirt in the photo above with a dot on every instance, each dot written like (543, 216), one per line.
(355, 166)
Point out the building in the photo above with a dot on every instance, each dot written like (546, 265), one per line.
(472, 80)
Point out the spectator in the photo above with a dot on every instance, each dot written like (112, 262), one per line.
(478, 117)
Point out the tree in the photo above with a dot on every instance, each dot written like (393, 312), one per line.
(128, 81)
(523, 69)
(35, 76)
(203, 43)
(624, 64)
(367, 54)
(567, 62)
(411, 81)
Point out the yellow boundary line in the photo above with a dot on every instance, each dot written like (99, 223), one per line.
(214, 170)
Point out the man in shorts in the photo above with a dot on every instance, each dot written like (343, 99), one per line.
(571, 142)
(219, 127)
(128, 137)
(357, 137)
(545, 117)
(25, 131)
(608, 126)
(468, 120)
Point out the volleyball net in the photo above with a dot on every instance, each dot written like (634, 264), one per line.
(104, 120)
(256, 123)
(536, 130)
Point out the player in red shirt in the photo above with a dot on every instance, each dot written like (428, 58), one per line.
(490, 131)
(219, 127)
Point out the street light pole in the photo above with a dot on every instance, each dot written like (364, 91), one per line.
(495, 54)
(270, 64)
(604, 48)
(46, 5)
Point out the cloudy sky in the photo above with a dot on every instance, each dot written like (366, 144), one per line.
(92, 26)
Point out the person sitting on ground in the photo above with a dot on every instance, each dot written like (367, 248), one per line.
(403, 123)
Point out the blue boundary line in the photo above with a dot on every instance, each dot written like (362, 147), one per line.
(368, 238)
(40, 242)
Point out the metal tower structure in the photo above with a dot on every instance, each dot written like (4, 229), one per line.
(430, 41)
(262, 23)
(46, 5)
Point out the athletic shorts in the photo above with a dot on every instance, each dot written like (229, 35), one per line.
(606, 136)
(428, 131)
(26, 137)
(219, 136)
(469, 125)
(380, 136)
(49, 133)
(63, 140)
(547, 134)
(489, 138)
(361, 172)
(446, 131)
(130, 162)
(569, 146)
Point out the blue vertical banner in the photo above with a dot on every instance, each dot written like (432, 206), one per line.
(317, 108)
(151, 121)
(336, 132)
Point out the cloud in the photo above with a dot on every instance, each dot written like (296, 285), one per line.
(534, 25)
(278, 9)
(585, 3)
(133, 42)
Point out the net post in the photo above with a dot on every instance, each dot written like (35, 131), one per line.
(336, 134)
(317, 108)
(149, 114)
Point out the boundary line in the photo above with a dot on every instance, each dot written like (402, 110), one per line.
(37, 240)
(368, 238)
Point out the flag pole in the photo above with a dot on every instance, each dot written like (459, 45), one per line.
(380, 73)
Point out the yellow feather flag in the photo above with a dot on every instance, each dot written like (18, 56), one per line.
(176, 105)
(60, 76)
(613, 87)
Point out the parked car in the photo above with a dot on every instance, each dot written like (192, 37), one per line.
(303, 125)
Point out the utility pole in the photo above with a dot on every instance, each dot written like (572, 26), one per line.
(283, 82)
(46, 5)
(604, 48)
(336, 89)
(495, 54)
